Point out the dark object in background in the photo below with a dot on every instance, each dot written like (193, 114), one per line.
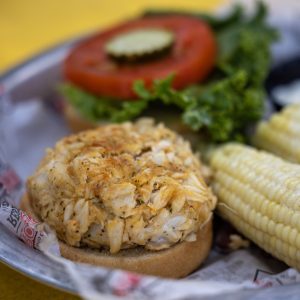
(281, 75)
(226, 238)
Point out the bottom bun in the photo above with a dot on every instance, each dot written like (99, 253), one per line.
(175, 262)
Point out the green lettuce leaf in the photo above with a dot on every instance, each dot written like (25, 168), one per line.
(225, 105)
(102, 108)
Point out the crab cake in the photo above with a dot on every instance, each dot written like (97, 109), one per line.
(129, 195)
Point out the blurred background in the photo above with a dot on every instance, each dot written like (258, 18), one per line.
(28, 27)
(31, 26)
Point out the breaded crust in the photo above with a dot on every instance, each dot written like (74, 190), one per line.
(176, 262)
(122, 186)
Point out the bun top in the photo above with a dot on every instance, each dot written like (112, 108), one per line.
(121, 186)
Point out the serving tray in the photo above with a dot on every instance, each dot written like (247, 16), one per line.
(37, 78)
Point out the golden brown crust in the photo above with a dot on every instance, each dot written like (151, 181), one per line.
(122, 186)
(175, 262)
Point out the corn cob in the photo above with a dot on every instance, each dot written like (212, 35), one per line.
(281, 134)
(259, 194)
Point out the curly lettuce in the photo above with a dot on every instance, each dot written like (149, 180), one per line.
(225, 105)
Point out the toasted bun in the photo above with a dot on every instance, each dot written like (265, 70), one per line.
(75, 121)
(175, 262)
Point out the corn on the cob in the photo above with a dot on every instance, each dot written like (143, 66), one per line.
(281, 134)
(259, 194)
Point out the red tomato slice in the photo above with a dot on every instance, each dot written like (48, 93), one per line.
(190, 60)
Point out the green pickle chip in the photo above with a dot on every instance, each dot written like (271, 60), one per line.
(139, 44)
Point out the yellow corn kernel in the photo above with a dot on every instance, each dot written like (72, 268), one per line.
(281, 134)
(246, 199)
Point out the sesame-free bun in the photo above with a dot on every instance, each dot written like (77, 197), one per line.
(175, 262)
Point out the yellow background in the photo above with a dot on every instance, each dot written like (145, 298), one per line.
(29, 26)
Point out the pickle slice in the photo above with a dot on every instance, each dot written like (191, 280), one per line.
(140, 44)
